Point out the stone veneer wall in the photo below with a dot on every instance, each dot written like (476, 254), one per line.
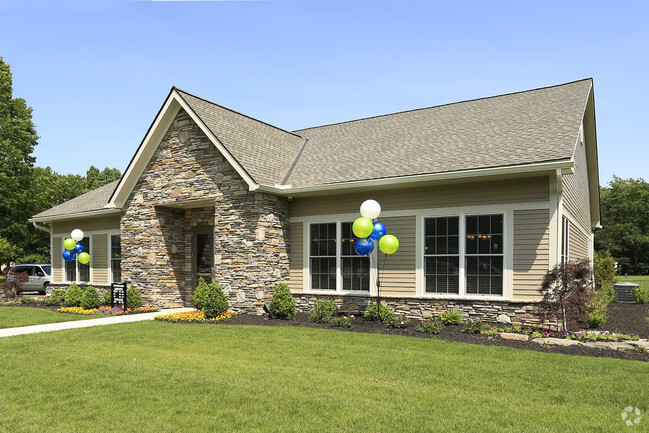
(516, 312)
(250, 229)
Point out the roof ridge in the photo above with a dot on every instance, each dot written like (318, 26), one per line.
(444, 105)
(236, 112)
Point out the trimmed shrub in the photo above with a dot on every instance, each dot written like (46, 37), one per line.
(133, 298)
(323, 311)
(378, 313)
(210, 299)
(432, 327)
(90, 298)
(282, 305)
(56, 298)
(641, 295)
(73, 296)
(105, 299)
(451, 317)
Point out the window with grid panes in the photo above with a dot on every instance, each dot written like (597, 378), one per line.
(322, 256)
(442, 255)
(484, 254)
(355, 268)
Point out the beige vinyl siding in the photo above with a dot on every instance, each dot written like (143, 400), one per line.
(99, 260)
(575, 190)
(531, 252)
(296, 257)
(96, 224)
(578, 244)
(57, 260)
(523, 190)
(398, 275)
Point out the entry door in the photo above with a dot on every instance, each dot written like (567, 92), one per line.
(202, 254)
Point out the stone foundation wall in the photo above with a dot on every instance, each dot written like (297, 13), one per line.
(250, 229)
(506, 312)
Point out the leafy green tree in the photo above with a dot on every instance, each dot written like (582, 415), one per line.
(96, 178)
(17, 141)
(625, 221)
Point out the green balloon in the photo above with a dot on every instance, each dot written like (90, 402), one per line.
(84, 258)
(362, 227)
(69, 244)
(389, 244)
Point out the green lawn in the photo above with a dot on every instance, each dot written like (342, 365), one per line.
(152, 377)
(643, 280)
(12, 317)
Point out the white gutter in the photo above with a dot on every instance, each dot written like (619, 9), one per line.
(40, 227)
(92, 213)
(565, 167)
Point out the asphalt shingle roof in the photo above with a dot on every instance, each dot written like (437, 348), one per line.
(532, 126)
(90, 201)
(520, 128)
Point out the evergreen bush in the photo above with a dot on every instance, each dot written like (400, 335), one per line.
(90, 298)
(105, 299)
(133, 298)
(282, 304)
(210, 299)
(641, 295)
(73, 296)
(56, 298)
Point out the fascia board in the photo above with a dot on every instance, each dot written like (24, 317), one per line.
(564, 166)
(93, 213)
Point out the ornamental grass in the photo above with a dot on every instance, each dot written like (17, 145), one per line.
(195, 316)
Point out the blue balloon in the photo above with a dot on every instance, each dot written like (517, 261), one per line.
(78, 248)
(364, 246)
(379, 231)
(68, 255)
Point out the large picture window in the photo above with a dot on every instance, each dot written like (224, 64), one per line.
(333, 262)
(470, 265)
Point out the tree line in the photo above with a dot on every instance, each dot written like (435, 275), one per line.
(25, 189)
(624, 205)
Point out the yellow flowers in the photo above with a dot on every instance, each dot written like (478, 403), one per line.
(195, 316)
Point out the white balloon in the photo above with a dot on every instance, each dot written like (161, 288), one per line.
(370, 209)
(77, 235)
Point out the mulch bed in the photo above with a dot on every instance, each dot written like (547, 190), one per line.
(624, 318)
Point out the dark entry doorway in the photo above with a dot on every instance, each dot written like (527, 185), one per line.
(202, 254)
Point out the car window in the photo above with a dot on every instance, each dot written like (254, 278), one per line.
(28, 269)
(47, 269)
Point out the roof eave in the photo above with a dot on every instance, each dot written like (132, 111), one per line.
(566, 166)
(92, 213)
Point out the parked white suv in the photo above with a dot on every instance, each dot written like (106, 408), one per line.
(39, 277)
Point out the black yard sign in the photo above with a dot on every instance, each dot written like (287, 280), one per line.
(118, 294)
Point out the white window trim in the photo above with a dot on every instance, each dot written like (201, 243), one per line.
(76, 273)
(111, 233)
(339, 272)
(507, 255)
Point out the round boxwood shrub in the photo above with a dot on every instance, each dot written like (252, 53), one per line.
(73, 296)
(210, 299)
(90, 298)
(282, 304)
(133, 298)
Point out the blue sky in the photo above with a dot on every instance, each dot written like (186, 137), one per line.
(96, 73)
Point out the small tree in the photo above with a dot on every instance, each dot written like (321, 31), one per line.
(13, 283)
(133, 297)
(566, 290)
(282, 305)
(210, 299)
(604, 267)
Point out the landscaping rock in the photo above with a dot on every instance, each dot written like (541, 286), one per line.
(512, 336)
(615, 345)
(556, 341)
(503, 318)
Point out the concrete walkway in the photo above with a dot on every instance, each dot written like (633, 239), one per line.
(48, 327)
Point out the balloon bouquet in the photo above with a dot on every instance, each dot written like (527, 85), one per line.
(368, 232)
(74, 247)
